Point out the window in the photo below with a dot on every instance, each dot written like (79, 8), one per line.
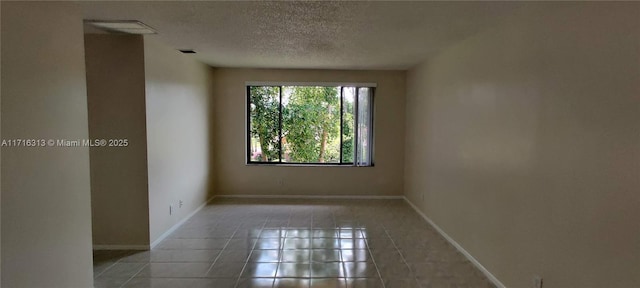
(310, 125)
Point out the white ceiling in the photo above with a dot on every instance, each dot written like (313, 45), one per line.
(327, 35)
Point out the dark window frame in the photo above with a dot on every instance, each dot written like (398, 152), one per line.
(353, 163)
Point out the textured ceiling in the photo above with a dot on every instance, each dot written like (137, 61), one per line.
(329, 35)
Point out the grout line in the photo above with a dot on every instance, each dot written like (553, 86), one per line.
(114, 263)
(376, 265)
(222, 251)
(342, 262)
(246, 262)
(313, 216)
(310, 241)
(384, 285)
(134, 275)
(415, 278)
(280, 250)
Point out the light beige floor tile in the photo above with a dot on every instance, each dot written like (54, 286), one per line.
(180, 282)
(304, 243)
(327, 270)
(106, 282)
(226, 270)
(174, 270)
(259, 270)
(286, 270)
(297, 256)
(291, 283)
(328, 283)
(122, 270)
(265, 256)
(255, 283)
(364, 283)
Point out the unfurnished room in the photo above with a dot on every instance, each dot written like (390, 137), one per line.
(324, 144)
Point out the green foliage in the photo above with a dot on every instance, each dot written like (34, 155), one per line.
(311, 124)
(265, 110)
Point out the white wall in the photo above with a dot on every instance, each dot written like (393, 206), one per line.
(523, 144)
(178, 134)
(233, 176)
(116, 98)
(46, 216)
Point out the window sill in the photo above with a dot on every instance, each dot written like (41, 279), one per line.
(305, 165)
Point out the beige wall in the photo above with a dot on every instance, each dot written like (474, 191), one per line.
(46, 210)
(116, 98)
(0, 153)
(233, 176)
(178, 138)
(523, 145)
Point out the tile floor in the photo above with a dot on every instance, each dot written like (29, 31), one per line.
(295, 243)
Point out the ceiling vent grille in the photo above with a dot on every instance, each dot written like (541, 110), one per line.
(122, 26)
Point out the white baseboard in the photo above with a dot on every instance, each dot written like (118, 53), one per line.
(328, 197)
(475, 262)
(177, 225)
(120, 247)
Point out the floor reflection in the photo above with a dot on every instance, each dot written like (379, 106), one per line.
(319, 253)
(239, 243)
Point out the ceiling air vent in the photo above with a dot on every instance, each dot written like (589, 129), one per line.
(188, 51)
(122, 26)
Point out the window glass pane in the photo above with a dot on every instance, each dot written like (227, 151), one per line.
(308, 125)
(364, 124)
(311, 124)
(264, 124)
(348, 123)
